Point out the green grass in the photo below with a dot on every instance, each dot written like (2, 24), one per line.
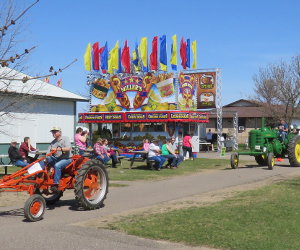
(266, 218)
(140, 171)
(10, 170)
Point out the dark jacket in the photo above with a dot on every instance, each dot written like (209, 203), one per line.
(14, 154)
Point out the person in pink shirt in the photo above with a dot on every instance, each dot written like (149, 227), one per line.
(187, 147)
(146, 145)
(80, 140)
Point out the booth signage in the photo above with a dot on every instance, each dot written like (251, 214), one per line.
(114, 117)
(168, 116)
(156, 116)
(135, 116)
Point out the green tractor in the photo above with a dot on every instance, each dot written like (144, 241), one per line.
(266, 144)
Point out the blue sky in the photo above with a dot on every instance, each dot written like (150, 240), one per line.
(236, 36)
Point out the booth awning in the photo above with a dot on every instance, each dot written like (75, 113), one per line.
(159, 116)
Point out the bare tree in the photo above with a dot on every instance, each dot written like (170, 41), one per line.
(16, 88)
(277, 87)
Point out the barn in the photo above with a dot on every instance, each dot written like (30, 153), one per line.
(31, 108)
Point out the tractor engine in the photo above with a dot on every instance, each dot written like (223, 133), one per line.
(265, 140)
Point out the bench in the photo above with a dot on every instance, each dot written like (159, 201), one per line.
(5, 167)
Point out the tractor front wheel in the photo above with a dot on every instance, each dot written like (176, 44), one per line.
(261, 160)
(91, 185)
(234, 160)
(271, 161)
(34, 208)
(49, 196)
(294, 151)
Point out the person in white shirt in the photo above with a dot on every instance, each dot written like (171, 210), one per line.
(154, 154)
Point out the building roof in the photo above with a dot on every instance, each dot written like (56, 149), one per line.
(34, 87)
(247, 109)
(244, 103)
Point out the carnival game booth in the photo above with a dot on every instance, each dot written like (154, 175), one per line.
(130, 128)
(130, 108)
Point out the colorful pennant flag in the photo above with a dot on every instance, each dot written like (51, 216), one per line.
(183, 53)
(144, 53)
(126, 58)
(135, 58)
(113, 60)
(47, 79)
(96, 56)
(163, 53)
(153, 55)
(59, 83)
(120, 62)
(188, 57)
(104, 58)
(194, 50)
(87, 58)
(174, 53)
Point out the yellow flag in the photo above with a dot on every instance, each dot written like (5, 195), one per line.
(174, 53)
(194, 49)
(163, 67)
(143, 52)
(113, 60)
(87, 58)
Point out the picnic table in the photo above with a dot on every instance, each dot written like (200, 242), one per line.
(205, 144)
(37, 153)
(143, 157)
(2, 164)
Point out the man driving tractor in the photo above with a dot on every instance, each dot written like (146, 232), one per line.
(62, 157)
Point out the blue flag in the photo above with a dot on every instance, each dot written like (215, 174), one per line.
(188, 54)
(104, 58)
(163, 53)
(120, 64)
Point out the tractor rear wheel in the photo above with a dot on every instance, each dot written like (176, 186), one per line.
(49, 196)
(271, 161)
(34, 208)
(91, 185)
(234, 160)
(294, 151)
(261, 160)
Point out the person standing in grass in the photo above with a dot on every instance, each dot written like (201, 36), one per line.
(187, 146)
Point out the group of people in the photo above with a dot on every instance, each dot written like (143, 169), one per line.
(21, 156)
(167, 152)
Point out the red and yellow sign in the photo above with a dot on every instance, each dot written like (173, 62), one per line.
(127, 117)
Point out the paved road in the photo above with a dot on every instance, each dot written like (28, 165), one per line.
(56, 232)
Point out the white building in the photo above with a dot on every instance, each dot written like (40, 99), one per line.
(32, 109)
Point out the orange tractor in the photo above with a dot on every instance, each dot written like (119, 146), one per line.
(87, 177)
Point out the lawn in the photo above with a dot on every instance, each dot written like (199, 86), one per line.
(140, 171)
(266, 218)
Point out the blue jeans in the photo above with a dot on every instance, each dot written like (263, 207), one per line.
(20, 163)
(103, 159)
(159, 161)
(175, 161)
(59, 165)
(81, 152)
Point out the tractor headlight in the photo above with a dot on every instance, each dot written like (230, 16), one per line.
(264, 149)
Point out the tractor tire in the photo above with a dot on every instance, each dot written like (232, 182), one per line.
(34, 208)
(261, 160)
(294, 151)
(51, 197)
(271, 161)
(234, 160)
(91, 186)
